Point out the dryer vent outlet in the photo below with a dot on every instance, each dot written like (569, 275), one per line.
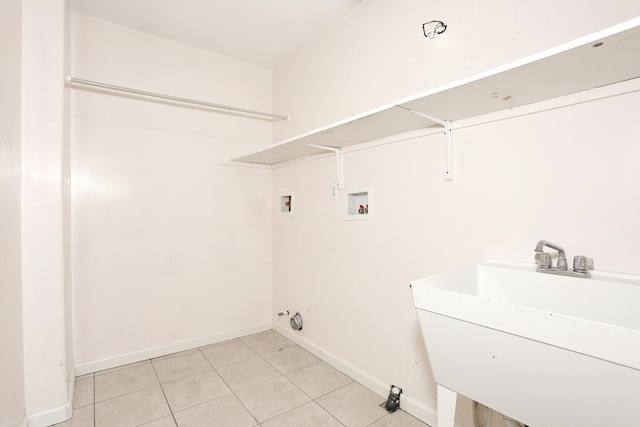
(296, 322)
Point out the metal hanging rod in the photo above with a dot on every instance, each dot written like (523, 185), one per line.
(172, 98)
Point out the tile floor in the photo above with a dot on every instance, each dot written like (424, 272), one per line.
(260, 380)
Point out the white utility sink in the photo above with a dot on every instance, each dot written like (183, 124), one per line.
(547, 350)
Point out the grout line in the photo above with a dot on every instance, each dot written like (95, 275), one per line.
(128, 393)
(163, 394)
(299, 369)
(229, 387)
(234, 392)
(231, 363)
(292, 409)
(120, 368)
(286, 412)
(298, 388)
(329, 392)
(270, 379)
(256, 384)
(330, 414)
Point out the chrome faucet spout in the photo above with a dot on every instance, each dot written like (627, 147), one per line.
(542, 243)
(580, 263)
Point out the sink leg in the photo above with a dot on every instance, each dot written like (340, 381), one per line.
(446, 407)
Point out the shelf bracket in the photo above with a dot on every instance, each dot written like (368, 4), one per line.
(338, 154)
(441, 122)
(448, 141)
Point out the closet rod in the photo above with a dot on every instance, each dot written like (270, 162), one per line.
(172, 98)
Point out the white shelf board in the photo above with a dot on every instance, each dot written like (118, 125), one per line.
(569, 68)
(379, 123)
(566, 69)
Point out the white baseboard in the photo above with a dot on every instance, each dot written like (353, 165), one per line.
(137, 356)
(50, 416)
(54, 415)
(408, 404)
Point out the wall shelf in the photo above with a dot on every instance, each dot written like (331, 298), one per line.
(566, 69)
(603, 58)
(384, 121)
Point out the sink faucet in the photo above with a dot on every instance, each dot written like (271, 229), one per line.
(545, 261)
(580, 263)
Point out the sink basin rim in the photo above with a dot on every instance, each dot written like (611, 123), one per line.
(606, 341)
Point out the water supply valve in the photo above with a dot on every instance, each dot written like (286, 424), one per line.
(393, 401)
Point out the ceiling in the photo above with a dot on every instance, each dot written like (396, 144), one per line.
(262, 32)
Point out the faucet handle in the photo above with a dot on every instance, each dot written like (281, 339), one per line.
(562, 262)
(545, 260)
(582, 263)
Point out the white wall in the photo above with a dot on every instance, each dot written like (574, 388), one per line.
(378, 53)
(566, 175)
(170, 249)
(11, 358)
(48, 367)
(66, 206)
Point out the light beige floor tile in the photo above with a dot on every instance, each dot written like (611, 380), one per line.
(124, 381)
(119, 368)
(290, 358)
(162, 422)
(194, 390)
(227, 354)
(247, 373)
(266, 331)
(216, 344)
(307, 415)
(132, 409)
(272, 398)
(169, 356)
(181, 366)
(318, 379)
(226, 411)
(130, 395)
(83, 392)
(353, 405)
(267, 342)
(399, 419)
(82, 417)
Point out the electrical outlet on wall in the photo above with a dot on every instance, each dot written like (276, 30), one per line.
(334, 192)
